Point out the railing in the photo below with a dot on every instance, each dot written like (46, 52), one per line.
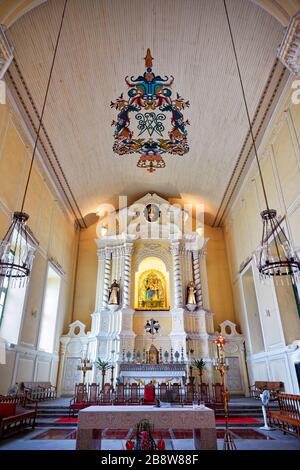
(175, 366)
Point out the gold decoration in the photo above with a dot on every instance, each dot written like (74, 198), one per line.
(153, 355)
(152, 291)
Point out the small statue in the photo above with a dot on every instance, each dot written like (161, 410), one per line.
(191, 299)
(114, 293)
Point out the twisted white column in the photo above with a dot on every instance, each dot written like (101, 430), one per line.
(197, 278)
(203, 276)
(107, 269)
(177, 274)
(100, 273)
(127, 274)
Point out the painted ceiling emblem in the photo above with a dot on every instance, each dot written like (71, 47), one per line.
(150, 122)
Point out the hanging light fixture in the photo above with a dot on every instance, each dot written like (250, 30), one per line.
(275, 256)
(16, 254)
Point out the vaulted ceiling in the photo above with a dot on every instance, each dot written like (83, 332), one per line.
(105, 40)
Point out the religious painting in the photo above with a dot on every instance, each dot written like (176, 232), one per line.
(152, 291)
(151, 213)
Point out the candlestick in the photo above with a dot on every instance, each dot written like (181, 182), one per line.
(85, 366)
(221, 365)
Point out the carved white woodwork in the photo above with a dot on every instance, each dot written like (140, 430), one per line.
(234, 349)
(107, 277)
(127, 274)
(119, 329)
(197, 278)
(234, 377)
(74, 346)
(289, 50)
(6, 53)
(175, 249)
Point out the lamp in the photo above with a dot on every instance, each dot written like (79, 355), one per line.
(16, 254)
(280, 259)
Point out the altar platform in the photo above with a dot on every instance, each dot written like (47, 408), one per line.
(153, 371)
(94, 419)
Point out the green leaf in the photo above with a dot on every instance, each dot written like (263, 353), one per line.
(102, 365)
(199, 363)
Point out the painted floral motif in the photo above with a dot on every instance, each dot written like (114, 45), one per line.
(150, 101)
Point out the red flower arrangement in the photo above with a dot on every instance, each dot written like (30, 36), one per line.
(144, 439)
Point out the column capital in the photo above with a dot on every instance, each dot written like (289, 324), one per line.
(108, 252)
(203, 250)
(175, 246)
(116, 251)
(288, 52)
(101, 253)
(128, 247)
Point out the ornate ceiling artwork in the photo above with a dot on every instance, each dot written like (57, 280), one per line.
(150, 97)
(189, 40)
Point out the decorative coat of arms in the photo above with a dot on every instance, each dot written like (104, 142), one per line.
(150, 133)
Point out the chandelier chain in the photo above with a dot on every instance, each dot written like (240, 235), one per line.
(44, 105)
(246, 105)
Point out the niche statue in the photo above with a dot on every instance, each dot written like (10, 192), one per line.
(191, 299)
(114, 293)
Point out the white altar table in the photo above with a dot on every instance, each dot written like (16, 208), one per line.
(94, 419)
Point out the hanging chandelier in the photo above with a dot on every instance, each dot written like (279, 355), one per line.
(275, 256)
(150, 121)
(16, 253)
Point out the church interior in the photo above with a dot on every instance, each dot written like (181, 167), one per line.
(149, 225)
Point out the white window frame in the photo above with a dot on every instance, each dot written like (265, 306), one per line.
(52, 266)
(32, 243)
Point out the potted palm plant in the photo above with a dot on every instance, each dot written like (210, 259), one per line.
(200, 365)
(103, 366)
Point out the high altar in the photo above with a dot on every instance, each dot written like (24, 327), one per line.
(149, 269)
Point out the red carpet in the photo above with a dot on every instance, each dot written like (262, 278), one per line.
(66, 420)
(239, 420)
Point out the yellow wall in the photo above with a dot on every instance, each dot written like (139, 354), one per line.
(280, 161)
(86, 276)
(49, 223)
(219, 285)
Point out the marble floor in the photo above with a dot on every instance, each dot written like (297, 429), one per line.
(52, 433)
(64, 439)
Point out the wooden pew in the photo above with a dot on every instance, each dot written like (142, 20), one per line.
(287, 418)
(14, 417)
(39, 390)
(273, 387)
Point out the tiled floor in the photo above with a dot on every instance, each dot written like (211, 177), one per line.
(60, 434)
(64, 439)
(51, 435)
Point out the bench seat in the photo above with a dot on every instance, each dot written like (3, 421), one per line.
(39, 390)
(273, 387)
(287, 418)
(16, 422)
